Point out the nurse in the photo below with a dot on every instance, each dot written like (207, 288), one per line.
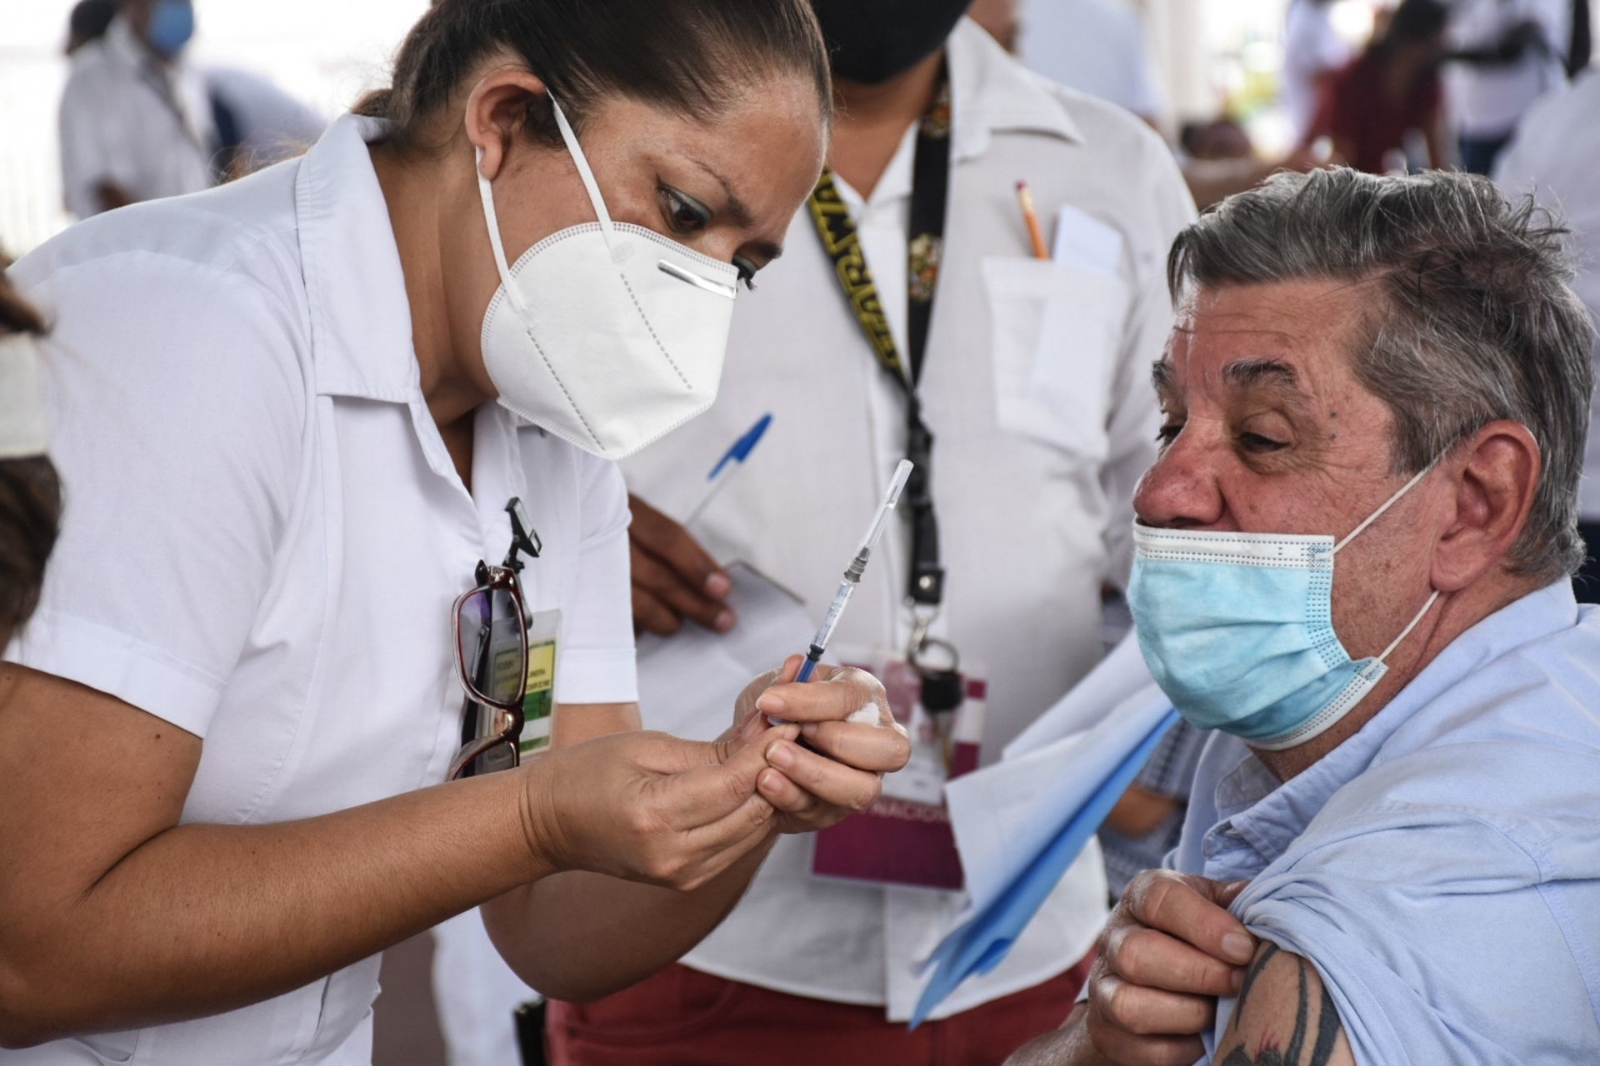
(226, 735)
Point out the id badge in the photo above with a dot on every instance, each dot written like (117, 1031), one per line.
(538, 701)
(905, 838)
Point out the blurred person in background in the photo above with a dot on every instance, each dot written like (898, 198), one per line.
(1556, 156)
(30, 494)
(1030, 377)
(1390, 96)
(136, 120)
(258, 123)
(1313, 52)
(1095, 46)
(1505, 55)
(88, 22)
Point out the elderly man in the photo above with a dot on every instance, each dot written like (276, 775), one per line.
(1375, 401)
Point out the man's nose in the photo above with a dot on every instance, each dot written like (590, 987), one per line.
(1181, 491)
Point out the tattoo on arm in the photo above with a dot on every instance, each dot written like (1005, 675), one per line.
(1280, 986)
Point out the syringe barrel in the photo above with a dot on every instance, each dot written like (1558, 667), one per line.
(835, 609)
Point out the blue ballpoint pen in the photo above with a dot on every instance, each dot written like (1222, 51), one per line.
(731, 460)
(853, 572)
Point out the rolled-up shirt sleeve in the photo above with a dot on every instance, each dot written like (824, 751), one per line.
(1433, 934)
(595, 661)
(178, 408)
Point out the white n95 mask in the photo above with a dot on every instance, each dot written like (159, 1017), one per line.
(22, 424)
(607, 335)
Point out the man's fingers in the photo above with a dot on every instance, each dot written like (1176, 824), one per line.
(833, 783)
(1120, 1046)
(1154, 959)
(653, 576)
(1150, 1011)
(1186, 907)
(865, 747)
(831, 696)
(669, 542)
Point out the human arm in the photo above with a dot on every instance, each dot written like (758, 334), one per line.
(1284, 1016)
(119, 916)
(1167, 952)
(623, 932)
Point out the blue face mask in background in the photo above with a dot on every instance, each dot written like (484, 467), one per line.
(1237, 629)
(171, 26)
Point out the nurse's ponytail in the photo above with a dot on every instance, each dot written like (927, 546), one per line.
(687, 56)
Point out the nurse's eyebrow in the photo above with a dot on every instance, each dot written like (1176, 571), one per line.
(739, 211)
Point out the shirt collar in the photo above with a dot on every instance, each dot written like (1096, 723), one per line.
(1268, 816)
(355, 287)
(990, 92)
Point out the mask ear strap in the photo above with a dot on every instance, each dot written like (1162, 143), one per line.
(1406, 632)
(584, 172)
(486, 194)
(1390, 502)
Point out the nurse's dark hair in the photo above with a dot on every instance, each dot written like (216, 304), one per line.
(693, 57)
(30, 498)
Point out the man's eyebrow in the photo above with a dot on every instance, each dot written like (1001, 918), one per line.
(1161, 378)
(1264, 373)
(739, 211)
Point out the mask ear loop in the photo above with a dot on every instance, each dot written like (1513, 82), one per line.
(1390, 502)
(1373, 517)
(486, 194)
(584, 172)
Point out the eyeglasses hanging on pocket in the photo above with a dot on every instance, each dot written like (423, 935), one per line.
(491, 622)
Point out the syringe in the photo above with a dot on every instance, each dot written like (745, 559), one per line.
(853, 572)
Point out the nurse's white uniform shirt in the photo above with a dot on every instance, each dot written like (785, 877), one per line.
(264, 532)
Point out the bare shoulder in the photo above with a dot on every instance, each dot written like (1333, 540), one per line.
(1284, 1016)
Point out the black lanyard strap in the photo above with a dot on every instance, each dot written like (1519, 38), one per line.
(930, 187)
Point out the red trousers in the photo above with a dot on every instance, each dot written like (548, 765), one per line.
(682, 1017)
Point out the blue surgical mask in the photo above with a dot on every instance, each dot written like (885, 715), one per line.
(171, 26)
(1237, 629)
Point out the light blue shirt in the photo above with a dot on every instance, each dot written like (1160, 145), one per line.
(1441, 868)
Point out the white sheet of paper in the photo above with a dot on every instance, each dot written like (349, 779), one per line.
(688, 683)
(1085, 242)
(1005, 814)
(1119, 675)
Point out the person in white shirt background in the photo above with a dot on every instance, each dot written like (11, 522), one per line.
(225, 736)
(1313, 51)
(1510, 53)
(1034, 389)
(136, 121)
(1094, 46)
(1555, 156)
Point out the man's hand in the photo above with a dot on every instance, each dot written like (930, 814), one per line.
(851, 741)
(649, 807)
(673, 577)
(1166, 954)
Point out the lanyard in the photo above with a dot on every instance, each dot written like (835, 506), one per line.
(930, 187)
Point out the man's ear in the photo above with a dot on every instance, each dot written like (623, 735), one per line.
(497, 109)
(1494, 475)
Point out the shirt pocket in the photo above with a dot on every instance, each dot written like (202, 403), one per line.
(1055, 332)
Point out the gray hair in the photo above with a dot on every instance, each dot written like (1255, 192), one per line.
(1477, 321)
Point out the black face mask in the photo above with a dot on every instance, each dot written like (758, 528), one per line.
(873, 40)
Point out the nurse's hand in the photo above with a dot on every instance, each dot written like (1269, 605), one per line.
(650, 807)
(852, 737)
(673, 577)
